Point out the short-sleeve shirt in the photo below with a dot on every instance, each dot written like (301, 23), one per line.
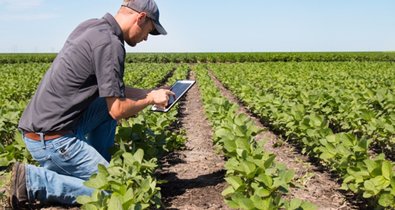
(90, 65)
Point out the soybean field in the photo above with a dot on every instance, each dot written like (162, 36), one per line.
(257, 131)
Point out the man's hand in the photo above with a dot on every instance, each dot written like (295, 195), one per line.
(126, 107)
(160, 97)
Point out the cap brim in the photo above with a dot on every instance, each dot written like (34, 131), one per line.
(159, 30)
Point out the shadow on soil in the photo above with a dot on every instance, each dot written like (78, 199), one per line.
(176, 186)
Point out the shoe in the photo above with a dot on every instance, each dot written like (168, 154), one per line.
(18, 193)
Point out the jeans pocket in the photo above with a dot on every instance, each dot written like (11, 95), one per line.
(68, 149)
(63, 155)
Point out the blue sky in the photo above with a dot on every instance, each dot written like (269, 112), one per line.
(213, 26)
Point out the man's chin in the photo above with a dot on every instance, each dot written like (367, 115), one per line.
(132, 44)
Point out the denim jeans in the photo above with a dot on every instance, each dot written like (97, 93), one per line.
(68, 161)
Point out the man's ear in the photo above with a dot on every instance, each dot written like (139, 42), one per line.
(142, 17)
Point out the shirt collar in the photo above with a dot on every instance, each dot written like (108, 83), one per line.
(114, 25)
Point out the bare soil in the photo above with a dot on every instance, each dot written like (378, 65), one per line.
(195, 175)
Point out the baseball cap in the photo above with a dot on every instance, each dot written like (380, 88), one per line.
(149, 7)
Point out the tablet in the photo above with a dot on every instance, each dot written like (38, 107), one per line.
(179, 88)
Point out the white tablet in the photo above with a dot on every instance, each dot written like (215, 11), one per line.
(180, 87)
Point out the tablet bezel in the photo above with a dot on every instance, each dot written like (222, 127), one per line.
(190, 84)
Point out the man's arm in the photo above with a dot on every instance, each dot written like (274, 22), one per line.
(136, 93)
(126, 107)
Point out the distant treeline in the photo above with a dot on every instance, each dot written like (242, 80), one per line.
(226, 57)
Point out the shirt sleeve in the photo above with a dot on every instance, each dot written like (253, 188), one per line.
(109, 60)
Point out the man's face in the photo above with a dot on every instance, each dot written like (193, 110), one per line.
(139, 31)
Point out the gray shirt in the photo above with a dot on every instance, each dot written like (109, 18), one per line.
(90, 65)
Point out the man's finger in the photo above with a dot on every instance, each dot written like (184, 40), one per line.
(160, 106)
(170, 93)
(173, 95)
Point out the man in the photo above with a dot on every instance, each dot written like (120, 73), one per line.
(69, 124)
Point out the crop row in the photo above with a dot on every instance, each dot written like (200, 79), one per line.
(353, 97)
(256, 180)
(219, 57)
(309, 103)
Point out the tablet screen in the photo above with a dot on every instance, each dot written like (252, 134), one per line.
(179, 89)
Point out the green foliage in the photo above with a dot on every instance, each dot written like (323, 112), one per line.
(15, 152)
(258, 57)
(18, 83)
(297, 204)
(335, 111)
(342, 151)
(4, 180)
(127, 183)
(255, 180)
(150, 132)
(375, 178)
(9, 58)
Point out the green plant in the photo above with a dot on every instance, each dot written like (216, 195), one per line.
(16, 151)
(126, 184)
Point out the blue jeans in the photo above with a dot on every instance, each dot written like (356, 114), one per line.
(68, 161)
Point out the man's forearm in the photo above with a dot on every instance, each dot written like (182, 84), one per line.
(124, 107)
(136, 100)
(136, 93)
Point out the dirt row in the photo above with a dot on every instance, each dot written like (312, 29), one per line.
(195, 175)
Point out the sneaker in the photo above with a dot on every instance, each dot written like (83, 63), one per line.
(18, 193)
